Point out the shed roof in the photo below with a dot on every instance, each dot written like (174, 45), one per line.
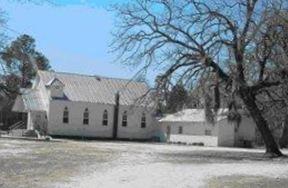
(29, 100)
(192, 115)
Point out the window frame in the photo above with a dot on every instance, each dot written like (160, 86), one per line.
(143, 120)
(124, 119)
(65, 116)
(105, 118)
(86, 117)
(180, 130)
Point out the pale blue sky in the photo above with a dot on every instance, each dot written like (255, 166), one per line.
(74, 36)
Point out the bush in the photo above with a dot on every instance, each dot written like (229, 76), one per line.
(197, 144)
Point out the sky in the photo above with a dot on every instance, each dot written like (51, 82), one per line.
(73, 34)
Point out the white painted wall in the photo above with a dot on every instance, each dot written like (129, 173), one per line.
(56, 89)
(44, 93)
(193, 132)
(246, 131)
(189, 128)
(75, 127)
(36, 120)
(226, 136)
(133, 129)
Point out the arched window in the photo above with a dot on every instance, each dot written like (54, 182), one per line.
(143, 120)
(66, 115)
(124, 119)
(86, 117)
(105, 118)
(180, 130)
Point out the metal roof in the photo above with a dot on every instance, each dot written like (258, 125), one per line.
(192, 115)
(52, 81)
(96, 89)
(29, 100)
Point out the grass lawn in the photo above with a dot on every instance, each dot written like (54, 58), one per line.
(129, 164)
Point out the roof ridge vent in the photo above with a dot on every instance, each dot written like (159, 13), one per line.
(98, 78)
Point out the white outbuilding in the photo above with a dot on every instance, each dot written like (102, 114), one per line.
(190, 126)
(66, 104)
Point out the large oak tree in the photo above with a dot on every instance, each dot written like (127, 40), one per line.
(230, 43)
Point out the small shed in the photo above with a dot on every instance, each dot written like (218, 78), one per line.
(190, 126)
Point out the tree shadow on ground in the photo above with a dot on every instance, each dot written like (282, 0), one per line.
(212, 156)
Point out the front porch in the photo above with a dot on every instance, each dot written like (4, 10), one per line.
(31, 104)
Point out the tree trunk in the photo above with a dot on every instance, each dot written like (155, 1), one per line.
(248, 98)
(283, 142)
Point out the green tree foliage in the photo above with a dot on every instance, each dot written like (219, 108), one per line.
(177, 98)
(21, 61)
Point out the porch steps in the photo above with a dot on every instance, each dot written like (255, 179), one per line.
(17, 129)
(16, 132)
(18, 125)
(24, 133)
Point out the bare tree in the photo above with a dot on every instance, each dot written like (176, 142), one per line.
(229, 39)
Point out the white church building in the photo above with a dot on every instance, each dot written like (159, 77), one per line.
(66, 104)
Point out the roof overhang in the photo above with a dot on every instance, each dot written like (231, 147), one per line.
(29, 100)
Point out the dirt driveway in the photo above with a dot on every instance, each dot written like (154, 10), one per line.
(128, 164)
